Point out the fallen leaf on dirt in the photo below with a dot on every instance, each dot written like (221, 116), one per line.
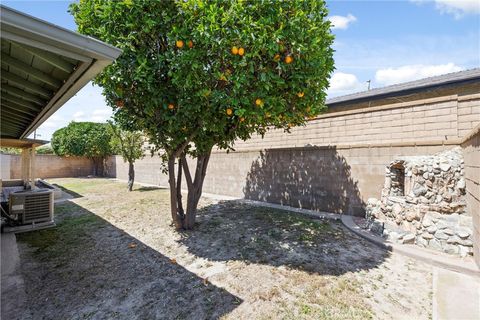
(174, 261)
(132, 245)
(205, 281)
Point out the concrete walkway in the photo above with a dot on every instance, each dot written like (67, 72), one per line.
(12, 288)
(438, 259)
(455, 296)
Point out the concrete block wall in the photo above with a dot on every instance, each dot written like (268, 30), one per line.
(440, 118)
(335, 179)
(468, 113)
(48, 166)
(471, 153)
(4, 166)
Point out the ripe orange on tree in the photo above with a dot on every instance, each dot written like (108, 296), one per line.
(300, 94)
(241, 51)
(179, 44)
(190, 44)
(288, 59)
(235, 50)
(259, 102)
(171, 106)
(229, 111)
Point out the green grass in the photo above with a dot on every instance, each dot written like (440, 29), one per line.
(67, 236)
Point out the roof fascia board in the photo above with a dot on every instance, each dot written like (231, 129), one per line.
(30, 31)
(35, 43)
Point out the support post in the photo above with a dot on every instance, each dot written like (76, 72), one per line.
(32, 167)
(28, 166)
(25, 166)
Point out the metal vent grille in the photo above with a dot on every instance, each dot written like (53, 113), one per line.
(37, 208)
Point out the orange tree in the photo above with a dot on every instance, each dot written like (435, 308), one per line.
(199, 74)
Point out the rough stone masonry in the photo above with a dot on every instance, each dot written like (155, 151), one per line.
(423, 202)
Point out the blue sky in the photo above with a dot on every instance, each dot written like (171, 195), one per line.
(386, 42)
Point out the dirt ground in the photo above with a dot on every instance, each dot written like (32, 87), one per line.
(114, 255)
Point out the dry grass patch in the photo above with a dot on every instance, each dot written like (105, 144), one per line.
(115, 255)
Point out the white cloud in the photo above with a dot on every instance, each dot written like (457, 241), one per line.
(101, 115)
(457, 8)
(342, 22)
(344, 83)
(406, 73)
(53, 121)
(79, 116)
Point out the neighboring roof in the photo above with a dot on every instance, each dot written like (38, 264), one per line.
(42, 67)
(467, 76)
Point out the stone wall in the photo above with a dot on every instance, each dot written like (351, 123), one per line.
(471, 152)
(428, 206)
(48, 166)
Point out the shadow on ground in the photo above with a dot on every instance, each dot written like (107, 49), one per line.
(315, 178)
(74, 194)
(235, 231)
(88, 268)
(144, 189)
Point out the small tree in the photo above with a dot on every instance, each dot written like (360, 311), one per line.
(84, 139)
(197, 74)
(130, 146)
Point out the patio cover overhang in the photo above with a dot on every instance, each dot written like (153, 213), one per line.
(43, 66)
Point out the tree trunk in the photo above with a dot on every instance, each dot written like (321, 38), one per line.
(179, 189)
(94, 161)
(176, 218)
(195, 190)
(131, 176)
(100, 167)
(186, 219)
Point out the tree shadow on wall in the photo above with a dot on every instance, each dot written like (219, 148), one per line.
(316, 178)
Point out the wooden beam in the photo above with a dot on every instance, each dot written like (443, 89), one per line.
(21, 143)
(53, 59)
(23, 94)
(10, 106)
(21, 102)
(9, 126)
(14, 118)
(11, 77)
(11, 129)
(7, 111)
(40, 75)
